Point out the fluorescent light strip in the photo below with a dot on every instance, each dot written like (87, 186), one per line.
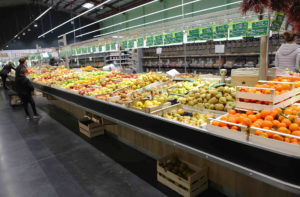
(138, 25)
(101, 4)
(177, 6)
(169, 18)
(40, 16)
(93, 23)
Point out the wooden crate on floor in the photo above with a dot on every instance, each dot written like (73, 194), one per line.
(190, 187)
(98, 119)
(90, 128)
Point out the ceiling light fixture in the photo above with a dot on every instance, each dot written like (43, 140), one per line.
(24, 34)
(35, 25)
(93, 23)
(28, 29)
(89, 10)
(88, 5)
(40, 16)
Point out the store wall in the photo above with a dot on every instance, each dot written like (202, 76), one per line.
(157, 6)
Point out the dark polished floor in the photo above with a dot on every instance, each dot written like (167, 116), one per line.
(49, 157)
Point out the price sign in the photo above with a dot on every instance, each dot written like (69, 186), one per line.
(78, 51)
(238, 29)
(131, 44)
(94, 49)
(193, 35)
(124, 44)
(149, 41)
(277, 22)
(220, 31)
(178, 37)
(168, 38)
(88, 49)
(158, 40)
(107, 47)
(140, 42)
(100, 48)
(258, 28)
(113, 46)
(84, 50)
(206, 33)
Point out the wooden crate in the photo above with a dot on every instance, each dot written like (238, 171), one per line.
(193, 186)
(275, 101)
(244, 80)
(89, 128)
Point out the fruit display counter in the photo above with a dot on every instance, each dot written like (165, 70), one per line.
(197, 102)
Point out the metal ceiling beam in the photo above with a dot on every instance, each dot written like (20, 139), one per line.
(69, 4)
(123, 8)
(79, 6)
(111, 7)
(58, 3)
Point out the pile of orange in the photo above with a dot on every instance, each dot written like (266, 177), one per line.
(283, 121)
(295, 79)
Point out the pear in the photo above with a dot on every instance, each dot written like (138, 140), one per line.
(219, 107)
(219, 95)
(222, 100)
(211, 106)
(221, 89)
(206, 105)
(213, 100)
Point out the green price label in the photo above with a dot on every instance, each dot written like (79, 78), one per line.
(78, 51)
(168, 38)
(206, 33)
(158, 40)
(238, 29)
(107, 47)
(220, 31)
(178, 37)
(149, 41)
(113, 46)
(100, 48)
(124, 44)
(193, 35)
(140, 42)
(131, 43)
(277, 22)
(258, 28)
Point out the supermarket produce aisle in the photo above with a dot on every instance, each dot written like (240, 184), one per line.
(44, 158)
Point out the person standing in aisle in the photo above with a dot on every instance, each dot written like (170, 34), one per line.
(4, 72)
(24, 89)
(22, 64)
(288, 55)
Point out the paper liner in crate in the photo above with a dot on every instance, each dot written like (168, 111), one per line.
(275, 101)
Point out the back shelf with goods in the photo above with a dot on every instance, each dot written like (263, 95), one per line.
(95, 60)
(122, 58)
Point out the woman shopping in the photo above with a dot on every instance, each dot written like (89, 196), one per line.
(288, 55)
(4, 72)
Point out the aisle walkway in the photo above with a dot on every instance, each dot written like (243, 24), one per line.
(44, 158)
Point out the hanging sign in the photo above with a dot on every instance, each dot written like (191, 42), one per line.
(237, 30)
(220, 31)
(258, 28)
(168, 38)
(107, 47)
(193, 35)
(99, 48)
(206, 33)
(178, 37)
(124, 44)
(93, 49)
(149, 41)
(277, 22)
(131, 43)
(140, 42)
(78, 51)
(113, 46)
(158, 40)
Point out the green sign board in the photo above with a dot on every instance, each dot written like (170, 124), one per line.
(131, 43)
(84, 50)
(149, 41)
(89, 49)
(99, 48)
(238, 29)
(140, 42)
(78, 51)
(220, 31)
(107, 47)
(113, 46)
(277, 22)
(178, 37)
(168, 38)
(94, 49)
(193, 35)
(124, 44)
(206, 33)
(159, 40)
(258, 28)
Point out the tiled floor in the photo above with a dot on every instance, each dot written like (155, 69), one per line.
(48, 157)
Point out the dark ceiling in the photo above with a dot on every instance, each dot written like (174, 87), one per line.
(18, 14)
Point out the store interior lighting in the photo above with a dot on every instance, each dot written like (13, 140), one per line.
(88, 5)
